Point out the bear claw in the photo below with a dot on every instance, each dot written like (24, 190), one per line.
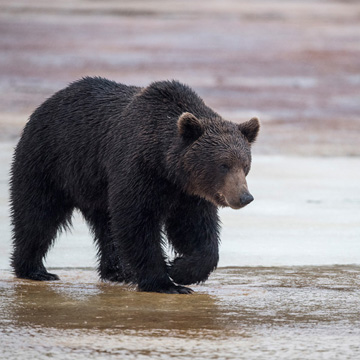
(178, 290)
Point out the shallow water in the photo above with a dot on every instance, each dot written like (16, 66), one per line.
(240, 313)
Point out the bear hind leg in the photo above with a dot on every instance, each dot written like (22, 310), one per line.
(36, 222)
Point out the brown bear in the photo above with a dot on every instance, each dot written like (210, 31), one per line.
(138, 163)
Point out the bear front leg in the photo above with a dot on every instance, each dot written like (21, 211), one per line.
(135, 225)
(193, 230)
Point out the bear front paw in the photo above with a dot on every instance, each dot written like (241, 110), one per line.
(176, 289)
(164, 287)
(189, 270)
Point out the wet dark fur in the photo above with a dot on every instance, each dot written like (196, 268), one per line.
(115, 153)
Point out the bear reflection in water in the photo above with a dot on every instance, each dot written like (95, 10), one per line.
(89, 305)
(135, 161)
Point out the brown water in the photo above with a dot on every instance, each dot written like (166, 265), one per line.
(240, 313)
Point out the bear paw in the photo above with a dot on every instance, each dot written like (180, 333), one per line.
(162, 285)
(189, 270)
(171, 289)
(39, 275)
(117, 275)
(177, 289)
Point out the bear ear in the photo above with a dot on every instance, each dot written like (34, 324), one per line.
(250, 129)
(189, 126)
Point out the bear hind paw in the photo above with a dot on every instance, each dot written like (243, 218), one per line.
(117, 275)
(39, 275)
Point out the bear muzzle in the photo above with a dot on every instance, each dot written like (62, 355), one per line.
(235, 193)
(239, 202)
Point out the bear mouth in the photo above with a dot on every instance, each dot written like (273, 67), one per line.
(221, 200)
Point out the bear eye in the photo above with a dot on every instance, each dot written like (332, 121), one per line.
(224, 168)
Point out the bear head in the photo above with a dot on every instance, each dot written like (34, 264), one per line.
(217, 158)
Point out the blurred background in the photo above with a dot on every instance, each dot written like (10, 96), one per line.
(295, 64)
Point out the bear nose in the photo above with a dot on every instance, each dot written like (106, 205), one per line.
(246, 198)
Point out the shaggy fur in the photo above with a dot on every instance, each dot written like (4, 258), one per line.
(136, 162)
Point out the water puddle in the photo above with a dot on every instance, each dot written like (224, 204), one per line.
(251, 312)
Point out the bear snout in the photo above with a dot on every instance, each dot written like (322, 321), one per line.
(235, 193)
(238, 202)
(246, 199)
